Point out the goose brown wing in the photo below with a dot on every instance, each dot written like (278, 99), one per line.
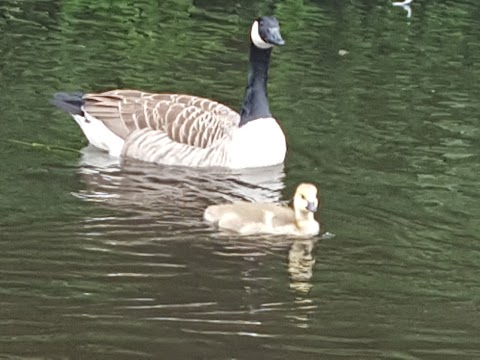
(185, 119)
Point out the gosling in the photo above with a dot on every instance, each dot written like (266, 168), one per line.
(261, 218)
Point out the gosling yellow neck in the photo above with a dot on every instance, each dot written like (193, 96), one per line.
(304, 219)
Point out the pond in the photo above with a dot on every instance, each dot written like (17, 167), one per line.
(102, 259)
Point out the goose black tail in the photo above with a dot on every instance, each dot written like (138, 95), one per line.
(69, 102)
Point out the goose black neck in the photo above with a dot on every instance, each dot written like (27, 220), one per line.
(255, 102)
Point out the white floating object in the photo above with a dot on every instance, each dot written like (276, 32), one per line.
(403, 3)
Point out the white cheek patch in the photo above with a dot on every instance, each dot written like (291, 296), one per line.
(257, 39)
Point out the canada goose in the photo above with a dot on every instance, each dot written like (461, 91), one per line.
(262, 218)
(186, 130)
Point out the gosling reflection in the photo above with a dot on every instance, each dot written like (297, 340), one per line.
(138, 186)
(300, 265)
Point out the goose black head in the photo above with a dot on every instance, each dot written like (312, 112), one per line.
(265, 32)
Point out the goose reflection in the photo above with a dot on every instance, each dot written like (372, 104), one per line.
(136, 186)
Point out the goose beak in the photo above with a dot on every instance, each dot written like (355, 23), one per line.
(311, 206)
(274, 37)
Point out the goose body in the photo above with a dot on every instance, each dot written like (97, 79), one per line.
(262, 218)
(177, 129)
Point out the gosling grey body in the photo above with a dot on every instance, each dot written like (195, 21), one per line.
(262, 218)
(186, 130)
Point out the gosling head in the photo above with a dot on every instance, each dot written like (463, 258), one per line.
(305, 199)
(265, 33)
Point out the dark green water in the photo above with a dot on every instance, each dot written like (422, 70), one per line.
(106, 261)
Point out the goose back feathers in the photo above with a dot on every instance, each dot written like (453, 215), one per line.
(187, 130)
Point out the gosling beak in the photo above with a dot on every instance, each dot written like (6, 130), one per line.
(311, 206)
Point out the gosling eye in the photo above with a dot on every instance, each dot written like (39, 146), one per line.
(303, 197)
